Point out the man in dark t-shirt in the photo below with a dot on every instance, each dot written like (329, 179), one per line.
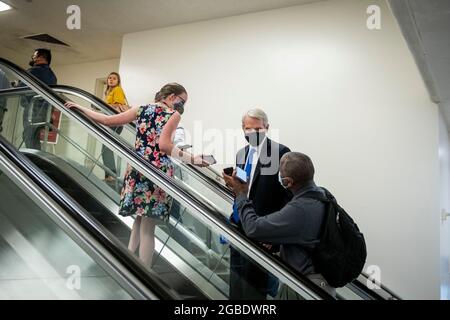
(36, 110)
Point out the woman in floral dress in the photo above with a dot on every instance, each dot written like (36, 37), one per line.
(155, 126)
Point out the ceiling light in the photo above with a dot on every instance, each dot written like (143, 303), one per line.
(4, 6)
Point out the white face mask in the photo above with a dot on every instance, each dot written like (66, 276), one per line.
(281, 180)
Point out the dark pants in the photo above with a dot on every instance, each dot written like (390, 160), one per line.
(247, 280)
(34, 118)
(108, 155)
(2, 112)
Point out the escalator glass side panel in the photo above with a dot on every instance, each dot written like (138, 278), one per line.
(68, 147)
(209, 183)
(39, 261)
(184, 173)
(70, 144)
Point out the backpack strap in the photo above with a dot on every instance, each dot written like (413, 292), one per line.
(331, 206)
(316, 195)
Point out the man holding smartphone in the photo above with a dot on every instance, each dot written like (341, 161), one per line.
(296, 227)
(260, 161)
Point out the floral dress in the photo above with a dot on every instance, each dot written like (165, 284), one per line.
(140, 196)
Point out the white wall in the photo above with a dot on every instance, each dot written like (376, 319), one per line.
(444, 168)
(351, 98)
(84, 75)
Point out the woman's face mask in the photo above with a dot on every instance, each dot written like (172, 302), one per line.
(179, 106)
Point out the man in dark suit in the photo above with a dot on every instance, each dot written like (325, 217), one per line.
(260, 160)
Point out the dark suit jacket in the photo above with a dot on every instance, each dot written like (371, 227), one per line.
(266, 192)
(248, 280)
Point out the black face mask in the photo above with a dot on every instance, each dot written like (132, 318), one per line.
(31, 63)
(255, 138)
(179, 106)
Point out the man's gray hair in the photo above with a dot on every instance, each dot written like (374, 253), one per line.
(257, 114)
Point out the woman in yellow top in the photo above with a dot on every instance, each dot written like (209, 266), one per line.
(115, 97)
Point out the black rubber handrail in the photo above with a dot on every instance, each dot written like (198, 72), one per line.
(111, 243)
(218, 188)
(161, 178)
(97, 101)
(100, 104)
(227, 194)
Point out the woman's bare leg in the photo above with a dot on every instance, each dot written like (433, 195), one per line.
(135, 235)
(147, 245)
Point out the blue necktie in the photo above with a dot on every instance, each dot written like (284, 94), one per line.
(248, 170)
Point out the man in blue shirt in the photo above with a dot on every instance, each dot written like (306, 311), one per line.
(35, 113)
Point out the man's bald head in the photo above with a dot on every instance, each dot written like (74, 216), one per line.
(298, 167)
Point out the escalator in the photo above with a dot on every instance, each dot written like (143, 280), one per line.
(81, 189)
(210, 182)
(49, 249)
(188, 258)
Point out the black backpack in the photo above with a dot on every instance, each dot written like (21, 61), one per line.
(341, 254)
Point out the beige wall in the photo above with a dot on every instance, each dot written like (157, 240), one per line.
(351, 98)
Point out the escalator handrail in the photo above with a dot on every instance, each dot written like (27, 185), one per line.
(100, 104)
(286, 274)
(393, 296)
(215, 186)
(150, 280)
(94, 100)
(218, 188)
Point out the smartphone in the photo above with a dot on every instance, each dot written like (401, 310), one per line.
(228, 171)
(241, 175)
(209, 158)
(184, 146)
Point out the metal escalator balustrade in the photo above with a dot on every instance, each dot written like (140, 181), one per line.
(214, 184)
(163, 244)
(199, 209)
(51, 227)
